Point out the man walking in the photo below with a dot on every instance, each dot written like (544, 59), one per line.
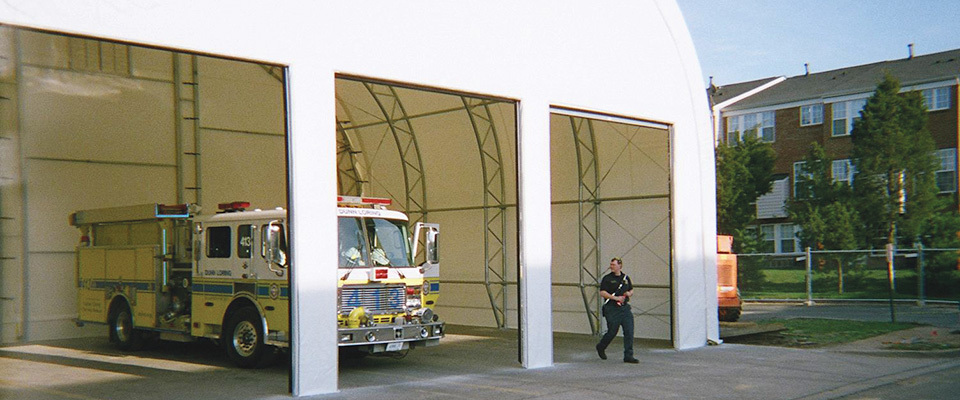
(616, 289)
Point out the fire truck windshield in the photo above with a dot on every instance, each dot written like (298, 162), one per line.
(352, 247)
(389, 242)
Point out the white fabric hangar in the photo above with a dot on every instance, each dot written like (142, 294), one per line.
(545, 137)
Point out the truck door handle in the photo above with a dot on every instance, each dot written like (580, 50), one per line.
(208, 304)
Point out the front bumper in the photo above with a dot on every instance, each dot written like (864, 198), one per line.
(382, 338)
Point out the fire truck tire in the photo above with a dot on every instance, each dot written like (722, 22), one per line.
(122, 332)
(243, 338)
(729, 314)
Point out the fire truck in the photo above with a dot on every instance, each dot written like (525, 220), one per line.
(170, 272)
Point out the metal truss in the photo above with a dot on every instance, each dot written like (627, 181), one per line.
(494, 210)
(350, 174)
(588, 207)
(491, 162)
(413, 173)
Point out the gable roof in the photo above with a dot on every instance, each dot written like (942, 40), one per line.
(852, 80)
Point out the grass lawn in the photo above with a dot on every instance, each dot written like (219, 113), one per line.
(870, 284)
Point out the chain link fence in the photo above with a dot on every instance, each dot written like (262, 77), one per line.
(917, 274)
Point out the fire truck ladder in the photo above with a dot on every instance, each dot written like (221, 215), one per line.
(186, 90)
(494, 210)
(588, 207)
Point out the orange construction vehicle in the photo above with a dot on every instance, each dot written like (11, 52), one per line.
(729, 304)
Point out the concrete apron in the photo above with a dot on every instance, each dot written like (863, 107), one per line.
(470, 363)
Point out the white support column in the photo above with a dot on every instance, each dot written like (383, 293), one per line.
(313, 194)
(536, 319)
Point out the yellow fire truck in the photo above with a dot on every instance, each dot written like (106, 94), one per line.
(170, 272)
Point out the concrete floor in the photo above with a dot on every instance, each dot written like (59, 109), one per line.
(476, 363)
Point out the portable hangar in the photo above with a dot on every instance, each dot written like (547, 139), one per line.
(546, 137)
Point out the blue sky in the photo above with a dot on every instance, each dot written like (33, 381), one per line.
(743, 40)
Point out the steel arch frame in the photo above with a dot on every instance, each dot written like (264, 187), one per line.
(588, 209)
(413, 173)
(491, 161)
(494, 215)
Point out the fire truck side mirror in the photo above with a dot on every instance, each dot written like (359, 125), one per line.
(197, 242)
(432, 246)
(274, 244)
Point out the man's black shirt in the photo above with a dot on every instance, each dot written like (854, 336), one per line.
(611, 282)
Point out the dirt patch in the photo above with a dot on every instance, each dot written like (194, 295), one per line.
(921, 338)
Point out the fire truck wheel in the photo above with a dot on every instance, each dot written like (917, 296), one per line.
(729, 314)
(243, 338)
(122, 331)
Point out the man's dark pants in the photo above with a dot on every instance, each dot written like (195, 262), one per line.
(617, 317)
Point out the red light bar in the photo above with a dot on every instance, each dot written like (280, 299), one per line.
(364, 200)
(234, 206)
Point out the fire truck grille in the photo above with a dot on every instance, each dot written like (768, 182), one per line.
(377, 300)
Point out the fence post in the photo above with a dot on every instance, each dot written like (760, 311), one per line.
(809, 277)
(921, 299)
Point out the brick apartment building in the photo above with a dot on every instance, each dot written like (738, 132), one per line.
(791, 113)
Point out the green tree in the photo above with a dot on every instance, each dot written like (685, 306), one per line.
(823, 210)
(821, 206)
(895, 165)
(940, 267)
(744, 172)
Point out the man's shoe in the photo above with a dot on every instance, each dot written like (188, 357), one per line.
(601, 353)
(631, 360)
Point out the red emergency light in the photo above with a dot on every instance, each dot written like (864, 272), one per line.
(364, 200)
(380, 273)
(234, 206)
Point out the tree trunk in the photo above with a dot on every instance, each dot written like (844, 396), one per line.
(840, 276)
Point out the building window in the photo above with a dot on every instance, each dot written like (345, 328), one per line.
(844, 114)
(767, 123)
(779, 238)
(733, 130)
(811, 115)
(843, 171)
(937, 98)
(799, 174)
(760, 125)
(947, 172)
